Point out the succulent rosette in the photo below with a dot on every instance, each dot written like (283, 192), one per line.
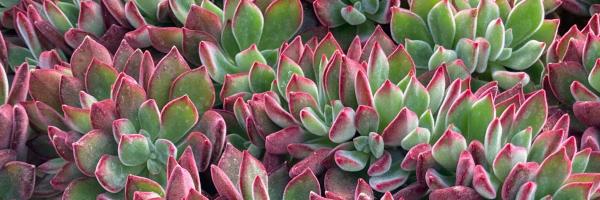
(495, 40)
(353, 16)
(17, 177)
(246, 32)
(104, 124)
(572, 73)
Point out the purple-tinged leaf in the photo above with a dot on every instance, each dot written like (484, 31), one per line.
(342, 129)
(138, 183)
(328, 12)
(351, 161)
(586, 112)
(410, 160)
(112, 175)
(102, 114)
(300, 186)
(180, 183)
(447, 149)
(390, 180)
(456, 192)
(85, 53)
(484, 183)
(89, 148)
(582, 93)
(518, 176)
(314, 162)
(250, 170)
(90, 18)
(164, 39)
(19, 86)
(27, 31)
(381, 165)
(99, 78)
(340, 183)
(77, 119)
(134, 149)
(44, 87)
(507, 158)
(363, 190)
(464, 169)
(224, 186)
(278, 142)
(532, 113)
(167, 70)
(545, 144)
(404, 123)
(555, 169)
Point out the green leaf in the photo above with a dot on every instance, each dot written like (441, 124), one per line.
(555, 169)
(406, 24)
(441, 24)
(420, 52)
(83, 188)
(283, 19)
(301, 185)
(525, 56)
(134, 149)
(197, 85)
(447, 149)
(533, 113)
(495, 36)
(166, 71)
(483, 112)
(466, 22)
(351, 161)
(247, 24)
(416, 97)
(99, 79)
(56, 17)
(352, 15)
(524, 20)
(487, 11)
(178, 117)
(149, 118)
(260, 77)
(423, 7)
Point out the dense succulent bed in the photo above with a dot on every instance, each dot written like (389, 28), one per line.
(299, 99)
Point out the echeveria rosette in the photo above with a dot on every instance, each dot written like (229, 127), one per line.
(104, 123)
(573, 72)
(493, 39)
(251, 32)
(354, 17)
(17, 177)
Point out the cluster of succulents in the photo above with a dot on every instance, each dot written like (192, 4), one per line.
(291, 99)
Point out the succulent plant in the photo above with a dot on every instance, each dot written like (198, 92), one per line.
(104, 123)
(572, 72)
(246, 32)
(514, 166)
(17, 177)
(353, 16)
(495, 40)
(327, 114)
